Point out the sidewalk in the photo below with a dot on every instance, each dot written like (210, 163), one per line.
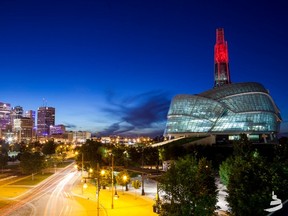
(127, 204)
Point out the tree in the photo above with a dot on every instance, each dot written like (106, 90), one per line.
(123, 178)
(92, 154)
(105, 178)
(250, 187)
(242, 147)
(31, 163)
(136, 184)
(251, 182)
(189, 187)
(225, 170)
(250, 178)
(49, 148)
(3, 160)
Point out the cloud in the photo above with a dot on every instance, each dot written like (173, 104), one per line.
(70, 126)
(141, 114)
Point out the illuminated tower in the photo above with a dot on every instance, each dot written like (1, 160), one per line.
(16, 113)
(45, 118)
(5, 116)
(30, 114)
(221, 60)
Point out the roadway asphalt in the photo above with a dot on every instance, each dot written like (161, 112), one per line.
(63, 194)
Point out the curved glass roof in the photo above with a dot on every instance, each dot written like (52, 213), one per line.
(233, 108)
(249, 102)
(232, 89)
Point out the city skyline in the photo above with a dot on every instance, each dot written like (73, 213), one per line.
(113, 68)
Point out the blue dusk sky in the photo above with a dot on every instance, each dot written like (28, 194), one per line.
(113, 66)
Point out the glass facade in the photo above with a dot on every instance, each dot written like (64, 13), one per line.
(45, 118)
(229, 109)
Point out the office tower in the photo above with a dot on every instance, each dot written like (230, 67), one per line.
(30, 114)
(45, 118)
(23, 128)
(16, 113)
(221, 60)
(5, 117)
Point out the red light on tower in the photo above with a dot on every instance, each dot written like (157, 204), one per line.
(221, 60)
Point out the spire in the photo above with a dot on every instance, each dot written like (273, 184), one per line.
(221, 60)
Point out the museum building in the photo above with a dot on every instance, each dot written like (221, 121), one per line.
(227, 110)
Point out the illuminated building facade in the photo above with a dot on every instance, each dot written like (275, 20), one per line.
(30, 114)
(16, 113)
(221, 60)
(45, 118)
(80, 137)
(5, 116)
(57, 129)
(228, 109)
(23, 129)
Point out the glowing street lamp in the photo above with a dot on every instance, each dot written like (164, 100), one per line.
(85, 185)
(112, 183)
(102, 173)
(82, 164)
(125, 179)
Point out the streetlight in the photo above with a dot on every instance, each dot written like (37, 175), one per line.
(102, 173)
(142, 175)
(90, 172)
(82, 164)
(125, 178)
(85, 184)
(112, 183)
(82, 168)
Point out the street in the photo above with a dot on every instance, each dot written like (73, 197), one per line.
(62, 194)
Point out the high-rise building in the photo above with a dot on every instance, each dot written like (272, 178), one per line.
(45, 118)
(5, 116)
(16, 113)
(23, 128)
(30, 114)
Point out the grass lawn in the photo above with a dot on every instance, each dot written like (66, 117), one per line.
(37, 179)
(4, 202)
(10, 192)
(63, 164)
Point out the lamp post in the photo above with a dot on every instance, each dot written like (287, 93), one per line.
(125, 178)
(97, 189)
(82, 163)
(142, 175)
(84, 186)
(90, 172)
(112, 183)
(99, 174)
(82, 166)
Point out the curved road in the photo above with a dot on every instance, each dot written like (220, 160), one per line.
(52, 197)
